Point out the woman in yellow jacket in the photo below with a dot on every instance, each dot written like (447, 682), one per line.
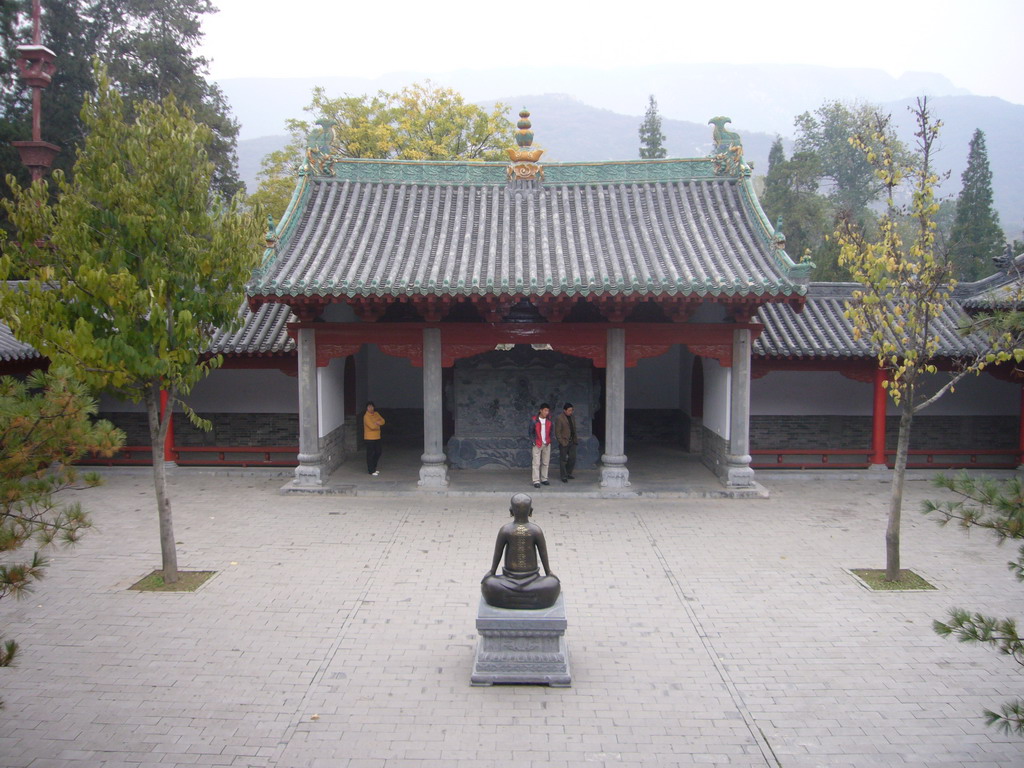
(372, 422)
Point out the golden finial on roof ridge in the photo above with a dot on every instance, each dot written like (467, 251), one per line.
(523, 157)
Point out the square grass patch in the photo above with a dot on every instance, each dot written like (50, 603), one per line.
(188, 581)
(874, 579)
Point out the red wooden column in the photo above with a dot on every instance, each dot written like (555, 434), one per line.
(1020, 430)
(878, 420)
(169, 452)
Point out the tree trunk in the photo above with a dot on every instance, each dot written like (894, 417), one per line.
(899, 475)
(157, 434)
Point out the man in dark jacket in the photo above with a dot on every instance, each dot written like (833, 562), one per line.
(540, 444)
(565, 434)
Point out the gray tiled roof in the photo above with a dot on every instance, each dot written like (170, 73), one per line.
(11, 349)
(1003, 290)
(691, 236)
(822, 331)
(262, 333)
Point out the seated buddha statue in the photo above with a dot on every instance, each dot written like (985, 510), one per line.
(520, 585)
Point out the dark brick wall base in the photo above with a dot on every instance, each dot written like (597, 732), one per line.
(405, 426)
(241, 429)
(854, 432)
(714, 450)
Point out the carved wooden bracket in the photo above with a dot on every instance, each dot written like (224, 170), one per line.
(326, 351)
(720, 352)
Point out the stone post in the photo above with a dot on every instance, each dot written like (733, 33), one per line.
(738, 471)
(614, 473)
(310, 469)
(434, 470)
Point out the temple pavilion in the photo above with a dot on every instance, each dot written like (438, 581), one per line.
(533, 282)
(652, 294)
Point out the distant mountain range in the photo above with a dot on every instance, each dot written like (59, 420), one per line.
(581, 115)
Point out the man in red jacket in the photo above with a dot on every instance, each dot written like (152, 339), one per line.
(541, 428)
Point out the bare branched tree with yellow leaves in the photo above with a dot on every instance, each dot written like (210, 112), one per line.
(907, 286)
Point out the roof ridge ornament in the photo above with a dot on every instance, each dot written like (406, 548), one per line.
(728, 152)
(271, 234)
(322, 148)
(524, 166)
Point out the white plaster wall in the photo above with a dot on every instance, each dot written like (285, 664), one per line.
(231, 391)
(653, 382)
(717, 379)
(983, 395)
(827, 393)
(805, 393)
(330, 384)
(393, 382)
(246, 391)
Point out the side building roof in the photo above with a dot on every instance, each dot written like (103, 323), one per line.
(12, 350)
(262, 333)
(821, 330)
(1002, 291)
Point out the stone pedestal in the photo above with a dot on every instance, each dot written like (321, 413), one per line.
(526, 647)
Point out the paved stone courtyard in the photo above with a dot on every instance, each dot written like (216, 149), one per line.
(339, 632)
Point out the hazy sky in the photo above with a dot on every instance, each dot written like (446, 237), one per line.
(977, 44)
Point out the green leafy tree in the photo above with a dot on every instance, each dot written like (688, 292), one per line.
(847, 175)
(420, 122)
(998, 507)
(134, 266)
(791, 195)
(45, 425)
(906, 289)
(976, 237)
(652, 140)
(149, 48)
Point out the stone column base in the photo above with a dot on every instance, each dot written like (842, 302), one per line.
(738, 472)
(526, 647)
(433, 473)
(309, 474)
(614, 473)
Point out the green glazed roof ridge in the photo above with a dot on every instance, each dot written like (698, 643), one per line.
(455, 172)
(284, 229)
(792, 270)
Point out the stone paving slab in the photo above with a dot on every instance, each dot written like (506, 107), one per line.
(339, 631)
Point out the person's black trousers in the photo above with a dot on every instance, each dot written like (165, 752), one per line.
(373, 451)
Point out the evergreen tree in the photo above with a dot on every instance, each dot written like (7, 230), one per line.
(998, 506)
(652, 140)
(976, 237)
(776, 155)
(790, 194)
(46, 424)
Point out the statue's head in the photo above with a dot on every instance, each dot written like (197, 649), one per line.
(522, 506)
